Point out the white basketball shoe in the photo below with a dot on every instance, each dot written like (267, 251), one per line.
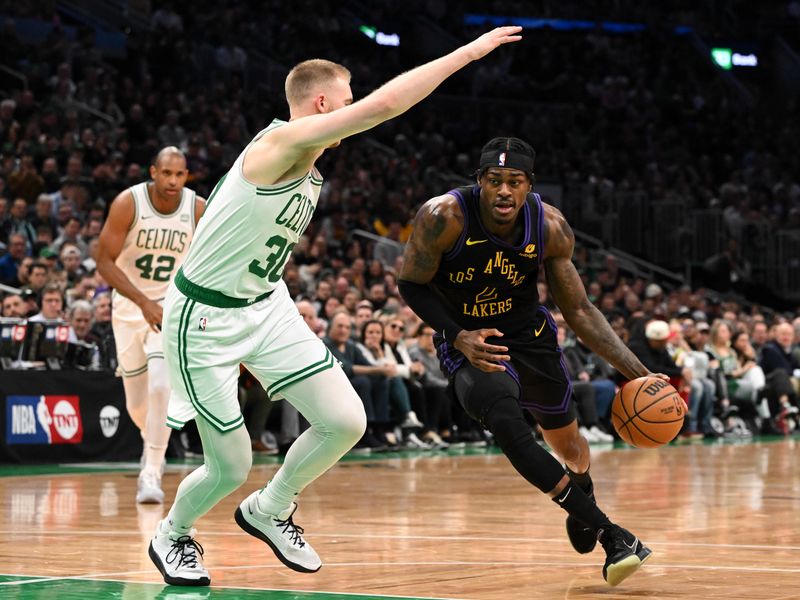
(279, 533)
(178, 557)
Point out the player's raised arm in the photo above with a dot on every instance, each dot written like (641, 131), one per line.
(569, 294)
(337, 118)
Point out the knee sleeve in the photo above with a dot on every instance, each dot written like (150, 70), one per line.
(491, 399)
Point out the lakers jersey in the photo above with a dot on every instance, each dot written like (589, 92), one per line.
(486, 282)
(154, 248)
(246, 235)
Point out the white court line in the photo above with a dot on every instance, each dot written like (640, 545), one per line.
(526, 564)
(101, 577)
(40, 579)
(389, 537)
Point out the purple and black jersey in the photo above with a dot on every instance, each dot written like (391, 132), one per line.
(486, 282)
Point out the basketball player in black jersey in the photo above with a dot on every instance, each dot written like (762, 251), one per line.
(470, 271)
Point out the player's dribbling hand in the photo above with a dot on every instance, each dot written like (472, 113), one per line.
(664, 377)
(481, 355)
(492, 39)
(153, 313)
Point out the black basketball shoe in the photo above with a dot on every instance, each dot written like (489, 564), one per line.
(582, 538)
(625, 553)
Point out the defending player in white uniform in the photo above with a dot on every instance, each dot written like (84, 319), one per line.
(142, 245)
(229, 305)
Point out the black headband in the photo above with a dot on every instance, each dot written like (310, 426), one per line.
(506, 159)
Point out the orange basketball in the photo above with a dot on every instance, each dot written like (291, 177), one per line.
(647, 412)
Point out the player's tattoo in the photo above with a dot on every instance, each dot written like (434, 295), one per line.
(429, 240)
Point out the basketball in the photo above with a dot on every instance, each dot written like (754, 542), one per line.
(648, 412)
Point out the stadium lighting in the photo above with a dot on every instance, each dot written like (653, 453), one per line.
(723, 58)
(382, 39)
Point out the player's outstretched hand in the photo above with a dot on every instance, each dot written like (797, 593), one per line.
(483, 356)
(492, 39)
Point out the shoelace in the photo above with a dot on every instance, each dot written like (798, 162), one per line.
(184, 550)
(295, 532)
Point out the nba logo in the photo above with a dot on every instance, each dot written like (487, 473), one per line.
(202, 324)
(501, 162)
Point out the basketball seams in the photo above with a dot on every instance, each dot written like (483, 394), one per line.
(652, 439)
(625, 408)
(656, 401)
(629, 423)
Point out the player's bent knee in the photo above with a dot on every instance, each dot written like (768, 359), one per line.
(352, 425)
(515, 437)
(230, 461)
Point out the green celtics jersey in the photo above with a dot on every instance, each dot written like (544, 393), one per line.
(248, 231)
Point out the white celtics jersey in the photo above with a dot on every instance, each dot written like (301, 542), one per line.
(154, 248)
(246, 234)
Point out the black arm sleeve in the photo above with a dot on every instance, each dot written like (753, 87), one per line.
(429, 307)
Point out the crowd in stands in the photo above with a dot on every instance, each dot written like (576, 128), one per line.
(633, 112)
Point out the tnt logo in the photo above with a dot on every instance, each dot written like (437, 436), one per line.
(43, 420)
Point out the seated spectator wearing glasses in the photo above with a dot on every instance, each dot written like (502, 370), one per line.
(357, 368)
(372, 345)
(388, 390)
(52, 304)
(409, 371)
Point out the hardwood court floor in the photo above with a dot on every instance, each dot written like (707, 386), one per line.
(723, 521)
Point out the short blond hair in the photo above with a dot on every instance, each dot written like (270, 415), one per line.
(305, 76)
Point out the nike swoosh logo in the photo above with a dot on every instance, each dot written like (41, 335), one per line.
(561, 500)
(473, 242)
(538, 331)
(146, 217)
(631, 546)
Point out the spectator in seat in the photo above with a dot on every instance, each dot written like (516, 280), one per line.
(434, 384)
(651, 349)
(81, 319)
(13, 307)
(52, 304)
(358, 369)
(38, 276)
(781, 367)
(9, 263)
(583, 392)
(746, 380)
